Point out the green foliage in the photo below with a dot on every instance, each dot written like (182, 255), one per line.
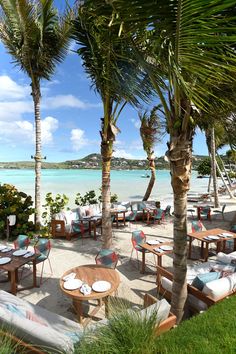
(212, 332)
(52, 206)
(87, 199)
(91, 198)
(125, 333)
(16, 203)
(204, 168)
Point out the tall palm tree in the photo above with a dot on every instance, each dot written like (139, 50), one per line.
(116, 79)
(37, 39)
(186, 53)
(150, 132)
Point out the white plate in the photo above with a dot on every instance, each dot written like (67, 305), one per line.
(101, 286)
(153, 242)
(20, 252)
(5, 260)
(2, 247)
(166, 248)
(73, 284)
(213, 237)
(7, 249)
(226, 234)
(69, 276)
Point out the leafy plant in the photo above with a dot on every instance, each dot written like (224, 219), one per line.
(52, 206)
(114, 197)
(88, 198)
(16, 203)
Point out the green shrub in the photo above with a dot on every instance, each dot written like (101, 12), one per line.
(52, 206)
(16, 203)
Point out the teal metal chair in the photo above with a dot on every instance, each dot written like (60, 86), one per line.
(205, 212)
(43, 248)
(196, 226)
(107, 257)
(159, 215)
(22, 242)
(221, 211)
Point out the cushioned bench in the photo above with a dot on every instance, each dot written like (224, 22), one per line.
(205, 287)
(62, 223)
(47, 332)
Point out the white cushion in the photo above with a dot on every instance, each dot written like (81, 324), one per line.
(226, 258)
(220, 287)
(196, 269)
(38, 326)
(70, 216)
(161, 308)
(166, 283)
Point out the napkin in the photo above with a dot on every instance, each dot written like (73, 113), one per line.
(29, 254)
(85, 289)
(69, 276)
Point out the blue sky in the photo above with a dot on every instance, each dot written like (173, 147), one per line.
(70, 113)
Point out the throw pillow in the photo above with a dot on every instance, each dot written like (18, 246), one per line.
(202, 279)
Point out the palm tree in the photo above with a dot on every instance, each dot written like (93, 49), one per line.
(150, 131)
(37, 39)
(116, 79)
(187, 51)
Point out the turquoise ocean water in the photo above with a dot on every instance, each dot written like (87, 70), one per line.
(128, 185)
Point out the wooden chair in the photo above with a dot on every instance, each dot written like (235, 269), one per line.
(167, 324)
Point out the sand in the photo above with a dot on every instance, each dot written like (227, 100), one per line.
(68, 254)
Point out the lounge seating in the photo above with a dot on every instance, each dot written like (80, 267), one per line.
(210, 291)
(47, 332)
(67, 223)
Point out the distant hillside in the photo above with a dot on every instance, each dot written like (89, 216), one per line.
(94, 161)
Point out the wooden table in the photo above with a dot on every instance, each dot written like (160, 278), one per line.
(89, 274)
(150, 248)
(214, 232)
(199, 207)
(93, 222)
(116, 213)
(12, 269)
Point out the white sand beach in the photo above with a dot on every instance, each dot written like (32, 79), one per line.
(68, 254)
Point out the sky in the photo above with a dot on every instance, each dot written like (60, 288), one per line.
(70, 115)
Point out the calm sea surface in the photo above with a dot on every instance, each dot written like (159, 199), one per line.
(128, 185)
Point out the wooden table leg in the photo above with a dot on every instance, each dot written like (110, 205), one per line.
(13, 282)
(106, 302)
(78, 306)
(143, 262)
(206, 252)
(35, 275)
(159, 260)
(117, 221)
(234, 244)
(190, 247)
(124, 217)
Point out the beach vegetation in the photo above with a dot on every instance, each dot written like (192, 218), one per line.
(115, 76)
(186, 50)
(90, 197)
(37, 38)
(151, 131)
(14, 202)
(204, 167)
(52, 206)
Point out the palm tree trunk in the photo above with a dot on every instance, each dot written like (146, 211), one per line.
(213, 169)
(223, 180)
(106, 152)
(38, 157)
(180, 157)
(225, 172)
(152, 179)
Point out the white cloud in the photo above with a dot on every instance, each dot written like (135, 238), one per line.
(15, 110)
(10, 90)
(48, 126)
(136, 122)
(66, 101)
(123, 153)
(22, 131)
(78, 139)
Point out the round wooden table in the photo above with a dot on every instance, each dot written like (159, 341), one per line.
(89, 274)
